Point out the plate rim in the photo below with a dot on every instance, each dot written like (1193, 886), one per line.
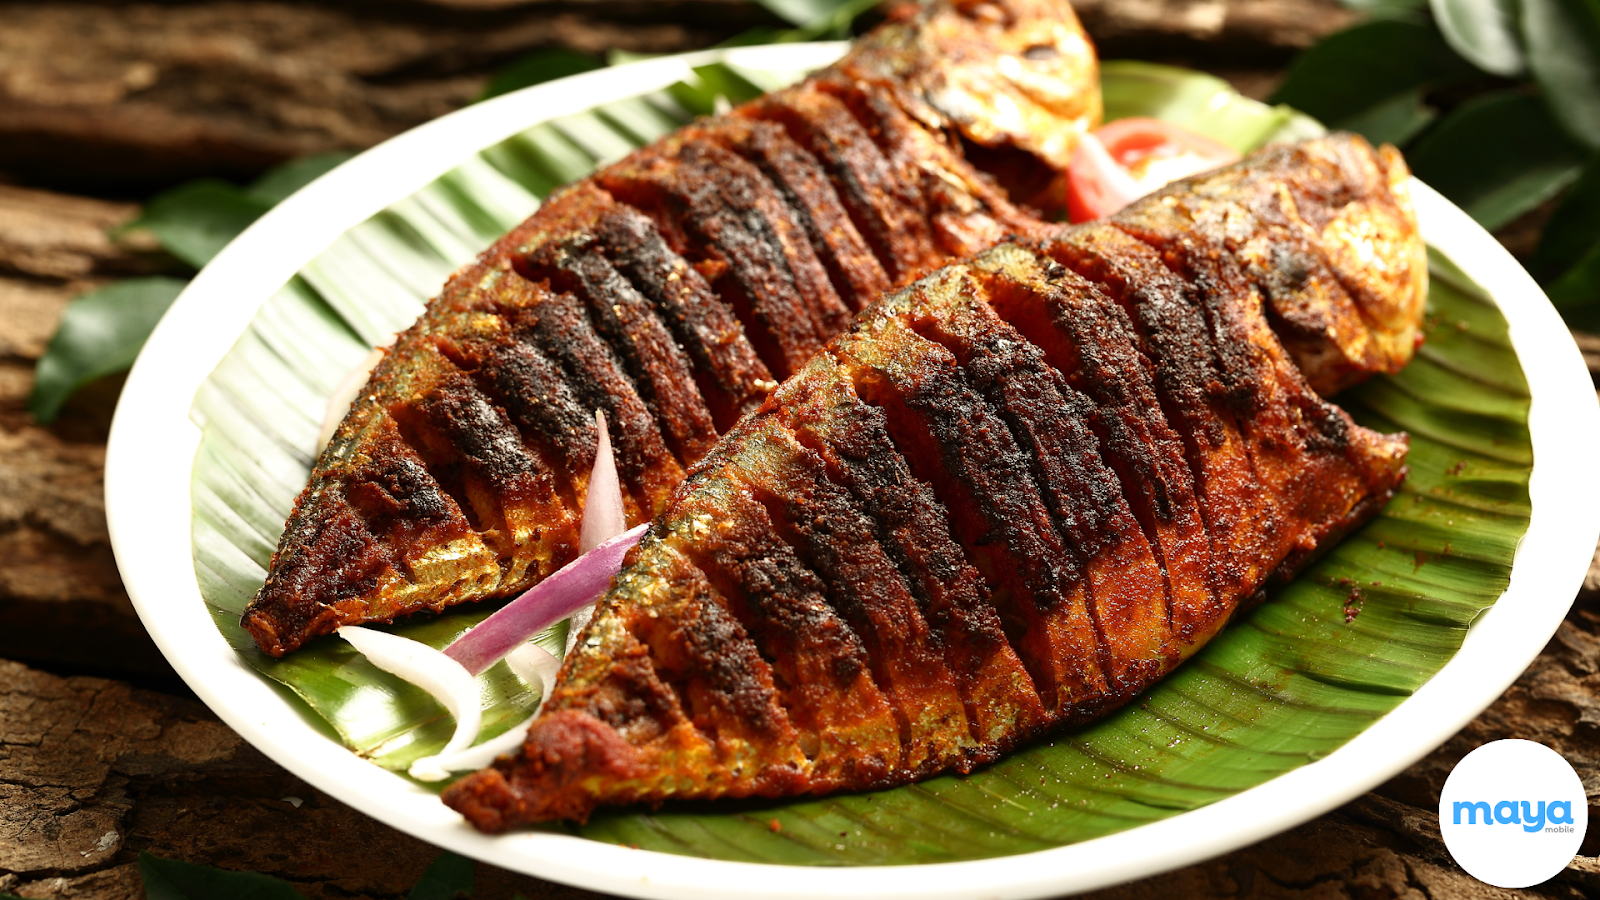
(150, 458)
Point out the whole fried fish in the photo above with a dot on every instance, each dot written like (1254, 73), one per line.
(672, 290)
(1010, 497)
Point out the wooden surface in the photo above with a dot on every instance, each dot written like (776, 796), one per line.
(103, 753)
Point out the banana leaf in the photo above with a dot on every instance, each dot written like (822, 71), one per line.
(1297, 677)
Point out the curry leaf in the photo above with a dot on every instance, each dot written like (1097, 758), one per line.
(100, 333)
(1573, 229)
(1568, 257)
(619, 57)
(1414, 10)
(835, 24)
(1497, 156)
(1395, 120)
(815, 19)
(281, 181)
(169, 879)
(802, 12)
(537, 68)
(450, 876)
(1563, 39)
(755, 37)
(1484, 32)
(1348, 74)
(194, 221)
(1578, 288)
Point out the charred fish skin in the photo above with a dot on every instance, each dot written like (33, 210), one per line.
(672, 290)
(1112, 452)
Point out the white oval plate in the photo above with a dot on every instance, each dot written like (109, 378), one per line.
(153, 442)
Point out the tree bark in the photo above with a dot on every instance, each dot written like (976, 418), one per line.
(61, 599)
(111, 96)
(125, 98)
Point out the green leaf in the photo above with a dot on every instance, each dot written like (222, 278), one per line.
(169, 879)
(1196, 101)
(1395, 120)
(618, 57)
(1288, 684)
(100, 333)
(1573, 230)
(817, 19)
(103, 331)
(1415, 10)
(1484, 32)
(1497, 156)
(1341, 79)
(1568, 257)
(755, 37)
(449, 876)
(714, 85)
(280, 181)
(836, 25)
(1578, 288)
(802, 12)
(194, 221)
(537, 68)
(1563, 39)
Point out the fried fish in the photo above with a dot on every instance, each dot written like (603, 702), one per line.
(1008, 498)
(672, 289)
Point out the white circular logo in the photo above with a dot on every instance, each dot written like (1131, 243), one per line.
(1513, 813)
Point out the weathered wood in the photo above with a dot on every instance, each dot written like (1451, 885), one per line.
(126, 97)
(1225, 33)
(61, 598)
(93, 771)
(110, 96)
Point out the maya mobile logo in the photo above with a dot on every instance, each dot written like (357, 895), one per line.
(1513, 813)
(1532, 818)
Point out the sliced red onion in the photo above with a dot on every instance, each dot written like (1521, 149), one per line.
(438, 768)
(572, 587)
(575, 625)
(603, 515)
(447, 680)
(348, 390)
(534, 665)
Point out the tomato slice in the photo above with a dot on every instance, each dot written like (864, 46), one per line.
(1122, 161)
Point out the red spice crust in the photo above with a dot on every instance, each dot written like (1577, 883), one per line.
(567, 746)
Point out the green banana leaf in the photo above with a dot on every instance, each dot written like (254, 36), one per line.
(1296, 678)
